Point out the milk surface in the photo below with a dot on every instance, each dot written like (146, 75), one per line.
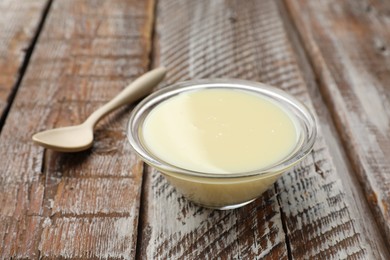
(220, 131)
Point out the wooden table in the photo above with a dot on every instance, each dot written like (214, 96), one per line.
(62, 59)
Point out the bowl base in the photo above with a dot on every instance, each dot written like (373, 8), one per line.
(228, 207)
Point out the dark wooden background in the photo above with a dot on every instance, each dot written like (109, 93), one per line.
(62, 59)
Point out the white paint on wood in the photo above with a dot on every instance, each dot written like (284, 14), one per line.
(102, 238)
(179, 228)
(353, 70)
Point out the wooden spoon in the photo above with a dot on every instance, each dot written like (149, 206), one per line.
(80, 137)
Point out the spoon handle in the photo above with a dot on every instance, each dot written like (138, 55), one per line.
(137, 89)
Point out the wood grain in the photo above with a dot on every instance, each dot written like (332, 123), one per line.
(87, 205)
(353, 191)
(82, 205)
(307, 214)
(19, 22)
(348, 42)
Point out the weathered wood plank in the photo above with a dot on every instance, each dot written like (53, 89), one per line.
(82, 205)
(307, 213)
(358, 206)
(19, 22)
(348, 42)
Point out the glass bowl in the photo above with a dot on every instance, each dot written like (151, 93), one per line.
(223, 190)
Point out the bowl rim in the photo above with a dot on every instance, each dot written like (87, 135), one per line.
(147, 104)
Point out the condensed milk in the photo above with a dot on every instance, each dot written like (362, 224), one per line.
(220, 131)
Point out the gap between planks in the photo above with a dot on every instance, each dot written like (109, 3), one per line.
(141, 208)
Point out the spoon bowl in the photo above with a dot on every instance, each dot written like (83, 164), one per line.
(66, 139)
(80, 137)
